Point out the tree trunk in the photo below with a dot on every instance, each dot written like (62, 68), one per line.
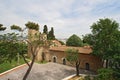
(29, 69)
(18, 59)
(106, 63)
(77, 68)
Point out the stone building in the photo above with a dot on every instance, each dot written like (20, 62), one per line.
(87, 60)
(56, 53)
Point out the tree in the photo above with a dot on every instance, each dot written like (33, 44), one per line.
(45, 30)
(89, 39)
(74, 40)
(73, 58)
(105, 39)
(51, 35)
(6, 49)
(11, 44)
(105, 74)
(32, 25)
(15, 27)
(9, 47)
(104, 32)
(34, 45)
(2, 28)
(18, 28)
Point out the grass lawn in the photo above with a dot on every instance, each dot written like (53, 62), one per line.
(6, 66)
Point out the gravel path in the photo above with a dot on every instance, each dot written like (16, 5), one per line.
(49, 71)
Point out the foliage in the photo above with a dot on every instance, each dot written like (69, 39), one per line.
(72, 55)
(73, 58)
(51, 35)
(2, 28)
(15, 27)
(86, 44)
(45, 30)
(10, 46)
(74, 40)
(105, 74)
(6, 65)
(87, 78)
(7, 45)
(32, 25)
(104, 35)
(88, 39)
(105, 40)
(34, 44)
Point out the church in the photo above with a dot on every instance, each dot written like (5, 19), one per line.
(56, 53)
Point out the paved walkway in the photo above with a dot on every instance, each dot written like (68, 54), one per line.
(48, 71)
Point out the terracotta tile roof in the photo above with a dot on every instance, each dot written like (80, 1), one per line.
(84, 50)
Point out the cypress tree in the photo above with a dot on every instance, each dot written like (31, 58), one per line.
(51, 35)
(45, 30)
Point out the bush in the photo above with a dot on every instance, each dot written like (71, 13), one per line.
(105, 74)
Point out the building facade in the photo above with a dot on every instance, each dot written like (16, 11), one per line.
(87, 60)
(56, 53)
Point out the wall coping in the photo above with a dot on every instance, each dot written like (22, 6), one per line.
(72, 76)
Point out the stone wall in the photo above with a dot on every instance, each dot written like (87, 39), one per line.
(88, 61)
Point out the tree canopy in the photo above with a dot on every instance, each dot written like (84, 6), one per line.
(32, 25)
(45, 30)
(73, 58)
(51, 35)
(15, 27)
(89, 39)
(74, 40)
(104, 34)
(105, 41)
(10, 46)
(2, 28)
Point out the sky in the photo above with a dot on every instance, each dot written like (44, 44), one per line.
(66, 16)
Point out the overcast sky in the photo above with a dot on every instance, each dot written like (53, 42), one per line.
(66, 16)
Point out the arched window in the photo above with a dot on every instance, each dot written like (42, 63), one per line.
(87, 66)
(64, 61)
(43, 56)
(54, 59)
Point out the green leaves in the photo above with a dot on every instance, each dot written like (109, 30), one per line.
(32, 25)
(105, 40)
(105, 74)
(103, 36)
(74, 40)
(2, 28)
(45, 30)
(10, 46)
(51, 35)
(72, 55)
(15, 27)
